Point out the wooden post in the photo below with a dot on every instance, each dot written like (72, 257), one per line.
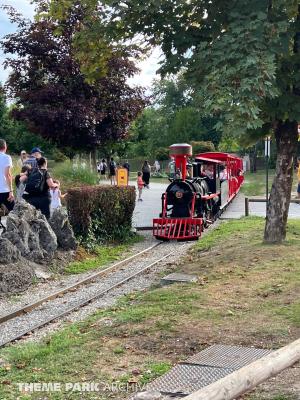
(248, 377)
(246, 206)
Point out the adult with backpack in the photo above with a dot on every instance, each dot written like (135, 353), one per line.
(38, 184)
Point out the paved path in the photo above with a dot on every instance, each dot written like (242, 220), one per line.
(150, 207)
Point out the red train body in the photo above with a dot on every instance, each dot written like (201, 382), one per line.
(198, 193)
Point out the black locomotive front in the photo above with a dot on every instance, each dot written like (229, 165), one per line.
(181, 194)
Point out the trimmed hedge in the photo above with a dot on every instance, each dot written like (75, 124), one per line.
(100, 213)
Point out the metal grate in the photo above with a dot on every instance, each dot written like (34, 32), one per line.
(185, 379)
(220, 356)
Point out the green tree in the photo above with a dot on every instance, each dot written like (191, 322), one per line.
(243, 58)
(172, 118)
(186, 126)
(17, 135)
(52, 96)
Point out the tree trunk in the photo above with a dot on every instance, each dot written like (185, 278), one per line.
(280, 196)
(93, 159)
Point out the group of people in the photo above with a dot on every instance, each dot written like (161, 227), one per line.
(109, 169)
(33, 184)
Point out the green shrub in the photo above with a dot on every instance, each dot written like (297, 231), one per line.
(202, 147)
(162, 153)
(101, 213)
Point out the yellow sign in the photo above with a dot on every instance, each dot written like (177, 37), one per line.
(122, 177)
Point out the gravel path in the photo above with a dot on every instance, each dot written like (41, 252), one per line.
(50, 309)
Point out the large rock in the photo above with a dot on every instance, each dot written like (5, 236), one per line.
(8, 252)
(30, 240)
(60, 224)
(30, 232)
(15, 277)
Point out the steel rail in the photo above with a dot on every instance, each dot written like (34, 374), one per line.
(29, 307)
(84, 302)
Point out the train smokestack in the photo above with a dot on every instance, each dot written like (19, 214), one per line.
(181, 152)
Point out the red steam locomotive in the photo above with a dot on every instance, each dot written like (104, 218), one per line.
(198, 194)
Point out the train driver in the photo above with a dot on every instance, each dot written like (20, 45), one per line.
(208, 170)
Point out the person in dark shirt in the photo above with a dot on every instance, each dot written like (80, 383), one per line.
(146, 170)
(40, 199)
(127, 166)
(112, 171)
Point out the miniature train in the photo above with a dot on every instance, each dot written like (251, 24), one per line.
(198, 193)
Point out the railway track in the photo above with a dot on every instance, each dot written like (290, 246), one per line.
(29, 317)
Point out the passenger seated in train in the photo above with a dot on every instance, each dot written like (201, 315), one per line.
(223, 174)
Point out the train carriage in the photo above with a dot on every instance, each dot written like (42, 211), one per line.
(197, 195)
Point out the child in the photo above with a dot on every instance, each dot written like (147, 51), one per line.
(21, 185)
(56, 196)
(140, 185)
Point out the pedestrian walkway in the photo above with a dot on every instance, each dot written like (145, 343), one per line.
(237, 209)
(150, 207)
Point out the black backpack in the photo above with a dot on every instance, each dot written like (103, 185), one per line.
(36, 182)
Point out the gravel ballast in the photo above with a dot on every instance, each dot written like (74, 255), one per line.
(21, 324)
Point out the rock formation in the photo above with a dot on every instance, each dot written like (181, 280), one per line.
(29, 240)
(61, 226)
(30, 232)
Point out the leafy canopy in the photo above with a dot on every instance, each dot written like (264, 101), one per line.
(240, 56)
(52, 95)
(172, 118)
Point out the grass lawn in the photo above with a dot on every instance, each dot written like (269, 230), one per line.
(255, 184)
(248, 294)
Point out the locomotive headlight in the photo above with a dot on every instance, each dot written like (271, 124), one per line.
(179, 195)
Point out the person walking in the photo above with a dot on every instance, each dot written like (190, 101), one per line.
(140, 185)
(22, 160)
(38, 185)
(103, 168)
(146, 170)
(6, 188)
(157, 166)
(112, 171)
(35, 154)
(98, 167)
(126, 165)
